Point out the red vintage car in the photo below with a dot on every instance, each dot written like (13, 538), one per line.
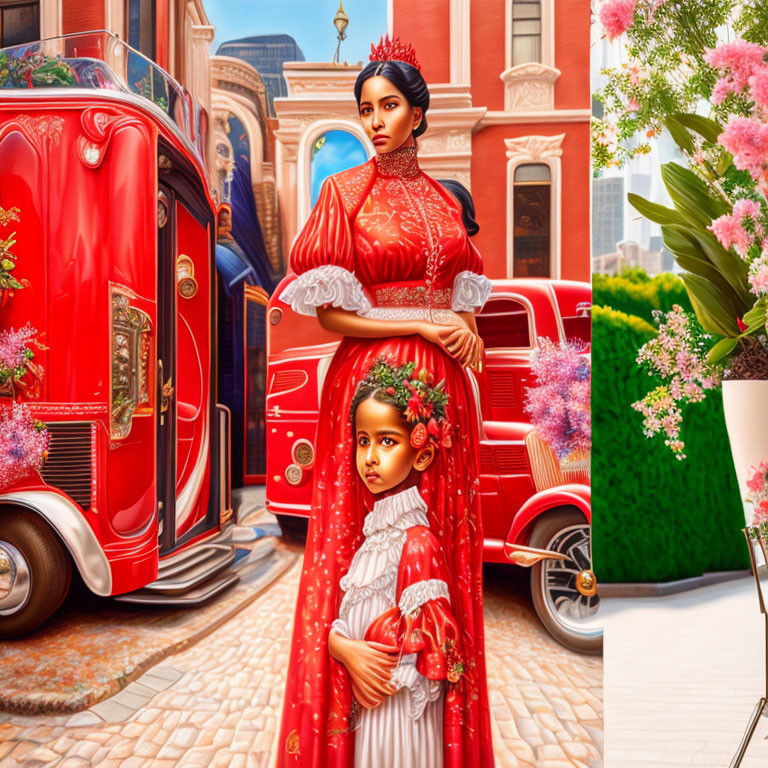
(102, 156)
(535, 512)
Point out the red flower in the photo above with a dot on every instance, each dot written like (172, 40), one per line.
(413, 408)
(742, 325)
(426, 409)
(390, 390)
(433, 428)
(445, 440)
(419, 436)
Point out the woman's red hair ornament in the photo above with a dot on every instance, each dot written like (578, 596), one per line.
(394, 50)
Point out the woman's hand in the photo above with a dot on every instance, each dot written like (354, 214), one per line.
(369, 665)
(465, 346)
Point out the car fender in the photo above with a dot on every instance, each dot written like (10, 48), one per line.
(68, 522)
(573, 495)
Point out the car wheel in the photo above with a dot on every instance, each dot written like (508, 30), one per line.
(564, 591)
(35, 572)
(294, 527)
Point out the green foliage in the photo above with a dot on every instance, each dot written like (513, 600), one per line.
(654, 518)
(635, 293)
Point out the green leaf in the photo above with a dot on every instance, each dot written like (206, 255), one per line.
(709, 129)
(731, 266)
(710, 306)
(703, 268)
(655, 212)
(690, 195)
(721, 349)
(755, 318)
(680, 135)
(724, 163)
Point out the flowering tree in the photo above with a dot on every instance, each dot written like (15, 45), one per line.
(559, 403)
(717, 226)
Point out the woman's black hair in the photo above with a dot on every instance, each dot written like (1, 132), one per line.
(406, 78)
(462, 194)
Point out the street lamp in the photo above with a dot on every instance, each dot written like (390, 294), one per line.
(340, 21)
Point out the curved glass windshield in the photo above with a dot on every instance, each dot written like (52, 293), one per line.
(101, 61)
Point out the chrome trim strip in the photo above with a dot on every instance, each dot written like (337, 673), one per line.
(67, 520)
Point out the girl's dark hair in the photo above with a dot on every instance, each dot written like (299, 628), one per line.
(461, 193)
(406, 78)
(367, 391)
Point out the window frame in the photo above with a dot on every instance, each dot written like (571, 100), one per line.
(10, 4)
(532, 335)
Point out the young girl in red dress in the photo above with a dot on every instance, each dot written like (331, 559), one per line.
(384, 260)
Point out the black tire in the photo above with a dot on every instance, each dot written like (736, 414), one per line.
(563, 531)
(294, 527)
(49, 565)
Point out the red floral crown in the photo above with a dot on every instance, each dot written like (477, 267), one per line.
(394, 50)
(421, 401)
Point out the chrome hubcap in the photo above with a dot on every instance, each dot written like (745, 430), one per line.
(15, 581)
(570, 586)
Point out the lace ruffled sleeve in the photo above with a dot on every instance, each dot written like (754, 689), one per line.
(471, 287)
(322, 257)
(426, 625)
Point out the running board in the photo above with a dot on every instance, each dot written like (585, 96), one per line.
(196, 596)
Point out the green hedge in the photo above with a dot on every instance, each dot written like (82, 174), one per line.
(656, 518)
(635, 293)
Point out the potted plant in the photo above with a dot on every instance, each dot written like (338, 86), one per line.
(717, 227)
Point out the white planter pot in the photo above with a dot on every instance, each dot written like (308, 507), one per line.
(746, 417)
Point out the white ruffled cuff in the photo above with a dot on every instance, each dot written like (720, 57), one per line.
(340, 626)
(414, 596)
(422, 691)
(328, 284)
(470, 291)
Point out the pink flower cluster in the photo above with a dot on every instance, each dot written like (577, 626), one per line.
(677, 357)
(741, 228)
(15, 351)
(757, 484)
(747, 140)
(23, 443)
(758, 274)
(559, 403)
(737, 63)
(616, 16)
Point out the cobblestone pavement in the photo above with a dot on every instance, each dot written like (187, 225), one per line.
(218, 703)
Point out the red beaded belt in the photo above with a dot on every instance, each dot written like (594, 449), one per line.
(413, 296)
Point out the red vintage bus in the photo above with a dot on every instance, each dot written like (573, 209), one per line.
(102, 154)
(535, 512)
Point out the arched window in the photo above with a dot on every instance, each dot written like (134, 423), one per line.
(19, 22)
(532, 212)
(334, 151)
(526, 31)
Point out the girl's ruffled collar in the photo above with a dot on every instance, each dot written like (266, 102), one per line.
(395, 511)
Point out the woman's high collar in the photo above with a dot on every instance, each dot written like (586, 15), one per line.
(401, 162)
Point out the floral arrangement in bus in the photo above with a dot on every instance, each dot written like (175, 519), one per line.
(559, 403)
(23, 443)
(34, 69)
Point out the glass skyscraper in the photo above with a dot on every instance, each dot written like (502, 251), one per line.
(266, 53)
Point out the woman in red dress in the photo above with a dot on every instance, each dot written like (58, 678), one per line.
(384, 259)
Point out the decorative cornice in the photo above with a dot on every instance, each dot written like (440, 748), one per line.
(529, 86)
(500, 117)
(534, 148)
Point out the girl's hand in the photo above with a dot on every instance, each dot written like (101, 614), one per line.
(369, 665)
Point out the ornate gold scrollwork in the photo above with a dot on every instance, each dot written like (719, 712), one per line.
(167, 394)
(185, 276)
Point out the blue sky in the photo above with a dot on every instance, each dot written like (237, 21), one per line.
(309, 22)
